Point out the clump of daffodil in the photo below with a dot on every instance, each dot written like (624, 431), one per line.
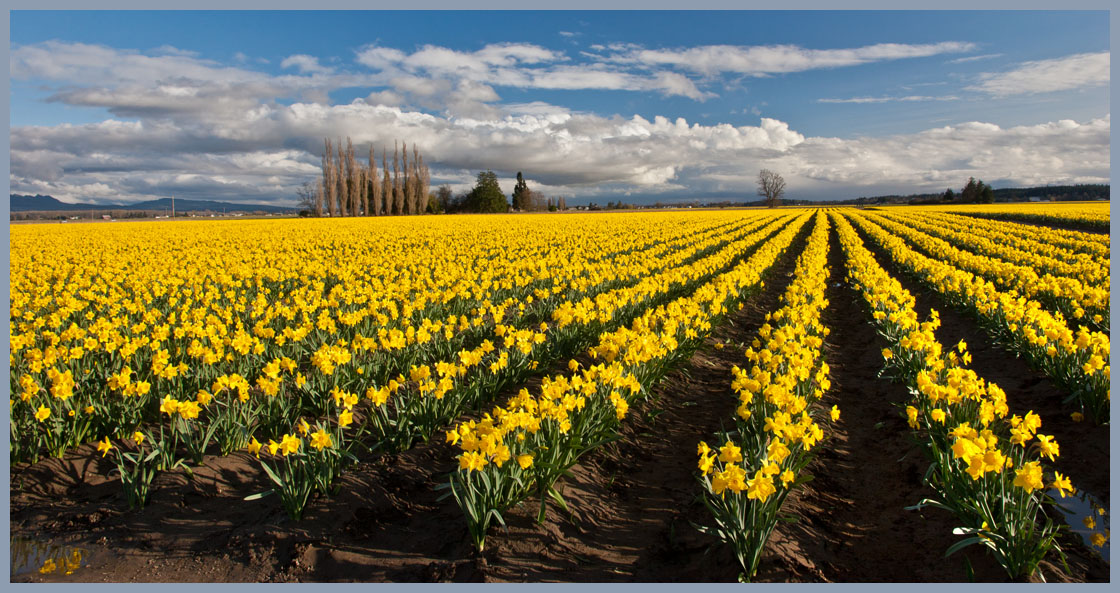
(748, 478)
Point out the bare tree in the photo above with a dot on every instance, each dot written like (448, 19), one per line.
(406, 183)
(318, 209)
(771, 186)
(374, 186)
(350, 188)
(306, 194)
(443, 198)
(423, 178)
(398, 191)
(353, 180)
(386, 185)
(343, 189)
(328, 175)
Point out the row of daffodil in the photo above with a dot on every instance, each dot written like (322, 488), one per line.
(245, 344)
(986, 467)
(1098, 245)
(1078, 361)
(431, 395)
(750, 470)
(1036, 246)
(1093, 215)
(413, 406)
(115, 382)
(1076, 300)
(992, 238)
(419, 403)
(525, 446)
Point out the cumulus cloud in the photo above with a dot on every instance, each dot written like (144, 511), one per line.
(1043, 76)
(170, 85)
(576, 154)
(1064, 151)
(305, 64)
(206, 130)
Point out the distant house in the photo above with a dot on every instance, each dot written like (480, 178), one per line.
(106, 217)
(1034, 199)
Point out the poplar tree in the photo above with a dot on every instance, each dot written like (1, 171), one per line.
(398, 191)
(386, 185)
(340, 177)
(406, 182)
(424, 177)
(374, 186)
(328, 175)
(355, 178)
(351, 188)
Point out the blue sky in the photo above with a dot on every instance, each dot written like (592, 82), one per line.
(117, 106)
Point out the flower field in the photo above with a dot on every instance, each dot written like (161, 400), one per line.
(755, 395)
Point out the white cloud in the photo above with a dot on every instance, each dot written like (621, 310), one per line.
(305, 64)
(277, 147)
(906, 99)
(171, 50)
(517, 66)
(1042, 76)
(775, 59)
(210, 131)
(973, 58)
(1055, 152)
(131, 84)
(82, 63)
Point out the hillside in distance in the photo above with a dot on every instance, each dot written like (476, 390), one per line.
(39, 203)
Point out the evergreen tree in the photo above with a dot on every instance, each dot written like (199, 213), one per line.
(970, 192)
(987, 195)
(487, 195)
(520, 194)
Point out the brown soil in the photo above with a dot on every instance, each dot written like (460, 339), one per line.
(632, 503)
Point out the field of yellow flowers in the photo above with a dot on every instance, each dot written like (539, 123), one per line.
(501, 357)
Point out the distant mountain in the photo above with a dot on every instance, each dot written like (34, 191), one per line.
(47, 203)
(24, 203)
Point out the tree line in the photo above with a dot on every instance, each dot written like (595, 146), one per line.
(348, 187)
(487, 196)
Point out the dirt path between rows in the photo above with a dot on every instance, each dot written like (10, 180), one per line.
(852, 524)
(634, 502)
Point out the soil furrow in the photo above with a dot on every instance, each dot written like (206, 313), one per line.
(852, 523)
(634, 502)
